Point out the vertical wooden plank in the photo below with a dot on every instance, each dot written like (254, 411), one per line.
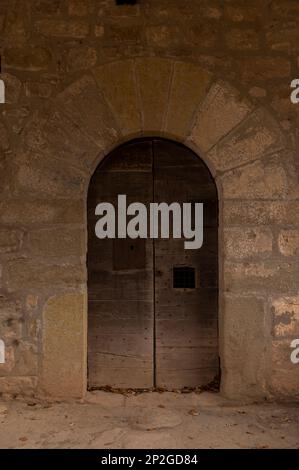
(185, 319)
(120, 279)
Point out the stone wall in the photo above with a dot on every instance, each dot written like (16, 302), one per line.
(81, 77)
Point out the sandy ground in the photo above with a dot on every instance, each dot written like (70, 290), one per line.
(149, 420)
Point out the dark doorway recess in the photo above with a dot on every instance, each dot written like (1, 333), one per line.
(152, 304)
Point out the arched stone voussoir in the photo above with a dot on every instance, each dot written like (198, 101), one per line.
(54, 135)
(153, 76)
(265, 179)
(153, 94)
(117, 82)
(222, 109)
(32, 135)
(68, 142)
(86, 106)
(189, 86)
(255, 137)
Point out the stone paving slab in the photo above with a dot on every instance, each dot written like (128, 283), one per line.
(148, 420)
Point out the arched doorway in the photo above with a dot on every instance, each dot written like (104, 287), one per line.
(153, 305)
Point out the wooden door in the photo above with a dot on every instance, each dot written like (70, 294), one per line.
(153, 304)
(120, 278)
(186, 294)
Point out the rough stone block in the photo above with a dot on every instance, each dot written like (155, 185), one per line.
(258, 180)
(238, 12)
(221, 111)
(169, 35)
(257, 92)
(17, 22)
(32, 135)
(10, 240)
(33, 323)
(2, 17)
(13, 87)
(284, 8)
(164, 36)
(41, 212)
(47, 7)
(258, 135)
(264, 68)
(86, 107)
(248, 212)
(21, 359)
(110, 9)
(246, 329)
(118, 84)
(64, 346)
(31, 302)
(285, 374)
(271, 275)
(99, 30)
(55, 242)
(61, 28)
(26, 359)
(201, 33)
(8, 368)
(189, 85)
(127, 31)
(65, 140)
(24, 386)
(242, 39)
(27, 58)
(244, 319)
(79, 7)
(40, 89)
(4, 184)
(26, 274)
(241, 242)
(16, 118)
(37, 174)
(288, 242)
(11, 320)
(4, 139)
(283, 36)
(285, 312)
(80, 58)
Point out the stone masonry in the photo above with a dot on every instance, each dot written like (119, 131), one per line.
(83, 76)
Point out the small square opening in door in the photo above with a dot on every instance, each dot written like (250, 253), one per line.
(183, 277)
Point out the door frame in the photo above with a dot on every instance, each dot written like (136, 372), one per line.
(178, 145)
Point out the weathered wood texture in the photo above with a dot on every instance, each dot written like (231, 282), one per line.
(142, 331)
(120, 279)
(185, 319)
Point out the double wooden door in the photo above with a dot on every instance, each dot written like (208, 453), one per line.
(152, 304)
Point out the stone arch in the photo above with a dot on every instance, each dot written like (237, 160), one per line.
(241, 143)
